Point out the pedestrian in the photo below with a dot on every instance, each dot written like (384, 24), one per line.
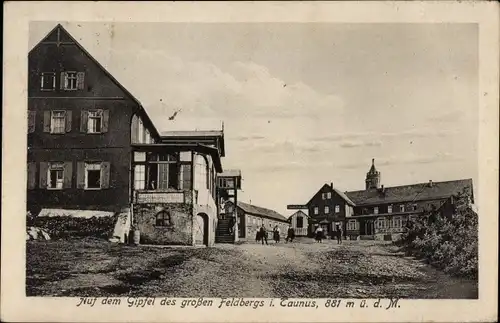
(231, 224)
(290, 234)
(319, 234)
(263, 234)
(339, 234)
(257, 235)
(276, 234)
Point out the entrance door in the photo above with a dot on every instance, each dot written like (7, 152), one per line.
(201, 229)
(369, 227)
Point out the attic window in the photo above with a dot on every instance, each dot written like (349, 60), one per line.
(329, 195)
(48, 81)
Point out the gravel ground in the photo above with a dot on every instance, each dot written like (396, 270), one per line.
(355, 269)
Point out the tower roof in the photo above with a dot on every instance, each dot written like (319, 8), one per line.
(373, 170)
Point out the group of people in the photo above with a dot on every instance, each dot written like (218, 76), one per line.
(261, 234)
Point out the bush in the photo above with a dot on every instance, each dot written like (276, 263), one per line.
(447, 243)
(66, 226)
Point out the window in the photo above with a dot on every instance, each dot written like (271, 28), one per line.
(55, 176)
(329, 195)
(401, 208)
(323, 196)
(300, 222)
(389, 209)
(381, 223)
(352, 225)
(70, 81)
(48, 81)
(140, 132)
(397, 222)
(58, 122)
(94, 122)
(327, 209)
(92, 175)
(337, 208)
(316, 210)
(139, 177)
(163, 219)
(414, 207)
(375, 210)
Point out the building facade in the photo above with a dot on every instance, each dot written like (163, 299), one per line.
(93, 147)
(300, 222)
(380, 212)
(250, 218)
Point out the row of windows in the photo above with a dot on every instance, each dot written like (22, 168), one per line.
(402, 208)
(326, 195)
(69, 81)
(60, 121)
(327, 209)
(259, 221)
(58, 175)
(395, 222)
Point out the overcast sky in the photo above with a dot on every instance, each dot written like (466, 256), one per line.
(306, 104)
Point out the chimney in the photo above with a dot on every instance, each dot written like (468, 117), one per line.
(430, 183)
(331, 184)
(383, 189)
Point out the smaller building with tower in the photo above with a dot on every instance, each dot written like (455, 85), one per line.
(377, 212)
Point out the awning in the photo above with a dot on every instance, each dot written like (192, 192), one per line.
(74, 213)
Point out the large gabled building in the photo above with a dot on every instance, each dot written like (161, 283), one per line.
(92, 148)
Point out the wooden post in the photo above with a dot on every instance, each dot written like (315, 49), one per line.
(235, 229)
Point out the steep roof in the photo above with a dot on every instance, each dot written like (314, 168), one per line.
(340, 193)
(257, 210)
(62, 33)
(197, 135)
(408, 193)
(300, 212)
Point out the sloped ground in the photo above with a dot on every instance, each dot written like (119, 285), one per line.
(91, 267)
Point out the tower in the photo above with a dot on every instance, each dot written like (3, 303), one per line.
(372, 177)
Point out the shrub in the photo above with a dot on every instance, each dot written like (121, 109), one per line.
(447, 243)
(66, 226)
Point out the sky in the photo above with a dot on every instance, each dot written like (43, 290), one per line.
(304, 104)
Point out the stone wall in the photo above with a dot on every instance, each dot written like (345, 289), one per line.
(179, 231)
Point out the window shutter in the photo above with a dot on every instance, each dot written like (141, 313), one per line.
(46, 121)
(31, 121)
(68, 174)
(105, 169)
(186, 176)
(83, 121)
(44, 167)
(63, 81)
(80, 80)
(133, 129)
(69, 119)
(80, 175)
(31, 175)
(105, 120)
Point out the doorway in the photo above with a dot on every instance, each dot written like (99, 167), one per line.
(201, 229)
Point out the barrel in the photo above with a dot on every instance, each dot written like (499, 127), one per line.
(137, 237)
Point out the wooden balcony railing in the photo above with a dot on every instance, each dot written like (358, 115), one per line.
(163, 196)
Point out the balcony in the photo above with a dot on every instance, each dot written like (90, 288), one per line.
(164, 197)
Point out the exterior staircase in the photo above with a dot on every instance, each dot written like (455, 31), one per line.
(222, 234)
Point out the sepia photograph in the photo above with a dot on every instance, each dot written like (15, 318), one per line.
(248, 165)
(172, 159)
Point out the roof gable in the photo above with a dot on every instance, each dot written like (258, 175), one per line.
(328, 188)
(59, 35)
(408, 193)
(300, 213)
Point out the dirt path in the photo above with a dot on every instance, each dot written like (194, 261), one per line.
(355, 269)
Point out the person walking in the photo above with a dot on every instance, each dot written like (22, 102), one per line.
(319, 234)
(290, 234)
(263, 234)
(257, 235)
(339, 234)
(276, 234)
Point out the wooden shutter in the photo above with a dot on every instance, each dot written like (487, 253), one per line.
(105, 170)
(133, 129)
(186, 176)
(68, 174)
(69, 119)
(63, 80)
(31, 175)
(31, 121)
(80, 175)
(46, 121)
(80, 80)
(84, 121)
(105, 121)
(44, 167)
